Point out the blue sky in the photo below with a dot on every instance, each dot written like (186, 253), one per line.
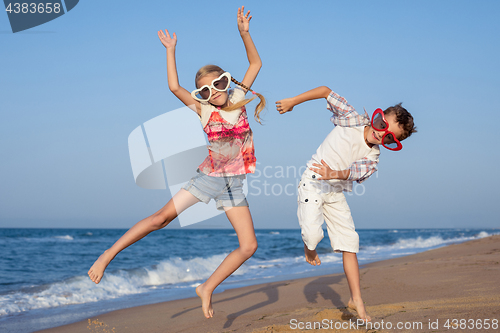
(73, 89)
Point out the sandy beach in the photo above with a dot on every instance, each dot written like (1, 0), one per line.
(454, 288)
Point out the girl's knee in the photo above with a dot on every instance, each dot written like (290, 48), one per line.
(249, 249)
(160, 220)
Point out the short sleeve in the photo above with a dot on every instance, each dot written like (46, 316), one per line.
(205, 112)
(338, 105)
(237, 94)
(362, 169)
(343, 113)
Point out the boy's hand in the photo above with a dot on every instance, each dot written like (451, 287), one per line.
(324, 171)
(166, 40)
(243, 20)
(285, 105)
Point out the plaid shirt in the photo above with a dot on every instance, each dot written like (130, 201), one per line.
(346, 116)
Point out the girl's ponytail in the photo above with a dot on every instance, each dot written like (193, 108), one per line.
(238, 105)
(260, 106)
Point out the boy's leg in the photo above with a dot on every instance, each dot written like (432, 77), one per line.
(310, 215)
(183, 199)
(242, 223)
(345, 239)
(351, 269)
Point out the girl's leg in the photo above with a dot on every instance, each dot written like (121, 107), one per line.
(183, 199)
(242, 223)
(351, 269)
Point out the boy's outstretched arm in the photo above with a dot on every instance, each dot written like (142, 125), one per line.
(287, 104)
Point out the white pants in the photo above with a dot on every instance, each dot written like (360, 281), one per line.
(318, 201)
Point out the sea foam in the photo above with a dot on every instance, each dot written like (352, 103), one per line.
(423, 243)
(81, 289)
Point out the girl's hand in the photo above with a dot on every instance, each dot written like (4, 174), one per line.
(166, 40)
(285, 105)
(243, 20)
(324, 171)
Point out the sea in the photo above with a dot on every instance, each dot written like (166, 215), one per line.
(44, 282)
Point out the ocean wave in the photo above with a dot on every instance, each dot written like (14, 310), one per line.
(81, 289)
(65, 237)
(422, 243)
(16, 240)
(77, 290)
(171, 273)
(258, 234)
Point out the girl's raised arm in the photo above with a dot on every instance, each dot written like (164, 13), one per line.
(173, 80)
(252, 54)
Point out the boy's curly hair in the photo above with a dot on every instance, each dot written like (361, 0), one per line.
(404, 118)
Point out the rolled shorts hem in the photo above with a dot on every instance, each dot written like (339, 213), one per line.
(309, 247)
(214, 188)
(197, 193)
(344, 249)
(220, 204)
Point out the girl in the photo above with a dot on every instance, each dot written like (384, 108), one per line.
(220, 176)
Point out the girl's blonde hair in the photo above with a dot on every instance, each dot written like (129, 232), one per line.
(209, 69)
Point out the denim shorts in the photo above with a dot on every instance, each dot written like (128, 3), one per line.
(226, 191)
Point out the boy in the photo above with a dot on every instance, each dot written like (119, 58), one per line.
(349, 153)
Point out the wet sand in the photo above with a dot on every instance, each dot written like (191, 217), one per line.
(418, 293)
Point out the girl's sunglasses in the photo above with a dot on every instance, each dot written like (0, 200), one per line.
(203, 94)
(389, 140)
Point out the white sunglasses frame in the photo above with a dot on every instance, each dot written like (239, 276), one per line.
(210, 87)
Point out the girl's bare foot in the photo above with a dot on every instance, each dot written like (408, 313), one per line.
(311, 256)
(206, 301)
(359, 307)
(97, 270)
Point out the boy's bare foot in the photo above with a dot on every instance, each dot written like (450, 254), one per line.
(206, 301)
(97, 270)
(359, 307)
(311, 256)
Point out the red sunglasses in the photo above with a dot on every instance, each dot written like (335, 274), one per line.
(389, 139)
